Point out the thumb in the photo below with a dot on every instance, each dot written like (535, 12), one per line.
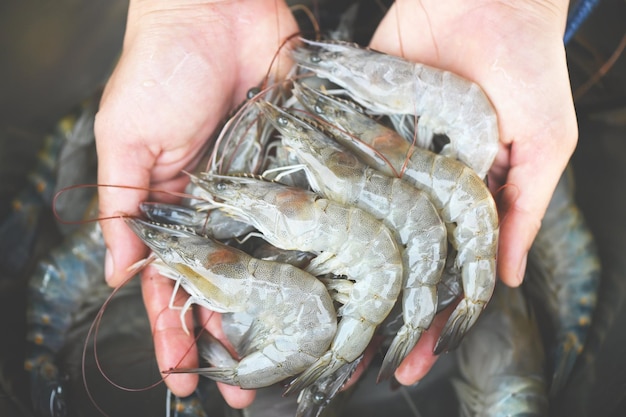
(522, 202)
(124, 176)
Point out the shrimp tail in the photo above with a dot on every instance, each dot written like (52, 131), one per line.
(567, 351)
(469, 397)
(48, 389)
(401, 345)
(312, 374)
(226, 375)
(462, 319)
(314, 399)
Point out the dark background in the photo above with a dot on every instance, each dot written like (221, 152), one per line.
(54, 54)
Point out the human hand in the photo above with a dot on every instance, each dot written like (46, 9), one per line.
(184, 66)
(515, 52)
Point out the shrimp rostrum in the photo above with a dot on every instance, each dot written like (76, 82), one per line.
(347, 240)
(295, 320)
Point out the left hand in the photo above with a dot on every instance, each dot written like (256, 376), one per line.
(515, 52)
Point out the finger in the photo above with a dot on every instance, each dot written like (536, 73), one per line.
(120, 165)
(535, 170)
(173, 347)
(419, 361)
(235, 396)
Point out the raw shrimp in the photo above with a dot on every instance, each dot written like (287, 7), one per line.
(240, 145)
(348, 242)
(445, 102)
(295, 320)
(56, 290)
(463, 200)
(338, 175)
(316, 397)
(215, 224)
(564, 275)
(502, 361)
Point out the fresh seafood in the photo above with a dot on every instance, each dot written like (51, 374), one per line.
(19, 229)
(338, 175)
(71, 275)
(240, 147)
(463, 200)
(314, 398)
(215, 223)
(348, 242)
(564, 274)
(502, 361)
(445, 102)
(294, 318)
(56, 290)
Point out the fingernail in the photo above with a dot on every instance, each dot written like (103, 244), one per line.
(109, 266)
(521, 272)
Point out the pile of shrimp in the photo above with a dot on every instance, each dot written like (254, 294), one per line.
(318, 173)
(319, 226)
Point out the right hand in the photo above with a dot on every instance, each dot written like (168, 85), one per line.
(184, 66)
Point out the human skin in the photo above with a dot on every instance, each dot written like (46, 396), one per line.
(186, 64)
(515, 52)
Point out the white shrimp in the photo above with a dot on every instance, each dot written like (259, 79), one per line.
(445, 102)
(348, 242)
(295, 320)
(463, 200)
(501, 363)
(339, 175)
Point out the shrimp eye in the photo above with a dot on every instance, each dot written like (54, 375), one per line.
(252, 92)
(315, 58)
(282, 120)
(220, 186)
(318, 107)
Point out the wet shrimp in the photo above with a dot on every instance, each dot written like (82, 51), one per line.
(348, 242)
(563, 276)
(445, 102)
(502, 361)
(463, 200)
(337, 174)
(215, 223)
(294, 315)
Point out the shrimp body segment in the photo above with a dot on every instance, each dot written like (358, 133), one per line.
(339, 175)
(445, 102)
(348, 241)
(459, 194)
(295, 318)
(502, 361)
(563, 276)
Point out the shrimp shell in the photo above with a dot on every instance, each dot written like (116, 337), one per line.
(445, 102)
(294, 316)
(348, 242)
(563, 275)
(502, 361)
(461, 197)
(56, 289)
(337, 174)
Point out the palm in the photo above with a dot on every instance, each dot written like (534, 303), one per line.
(183, 68)
(517, 57)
